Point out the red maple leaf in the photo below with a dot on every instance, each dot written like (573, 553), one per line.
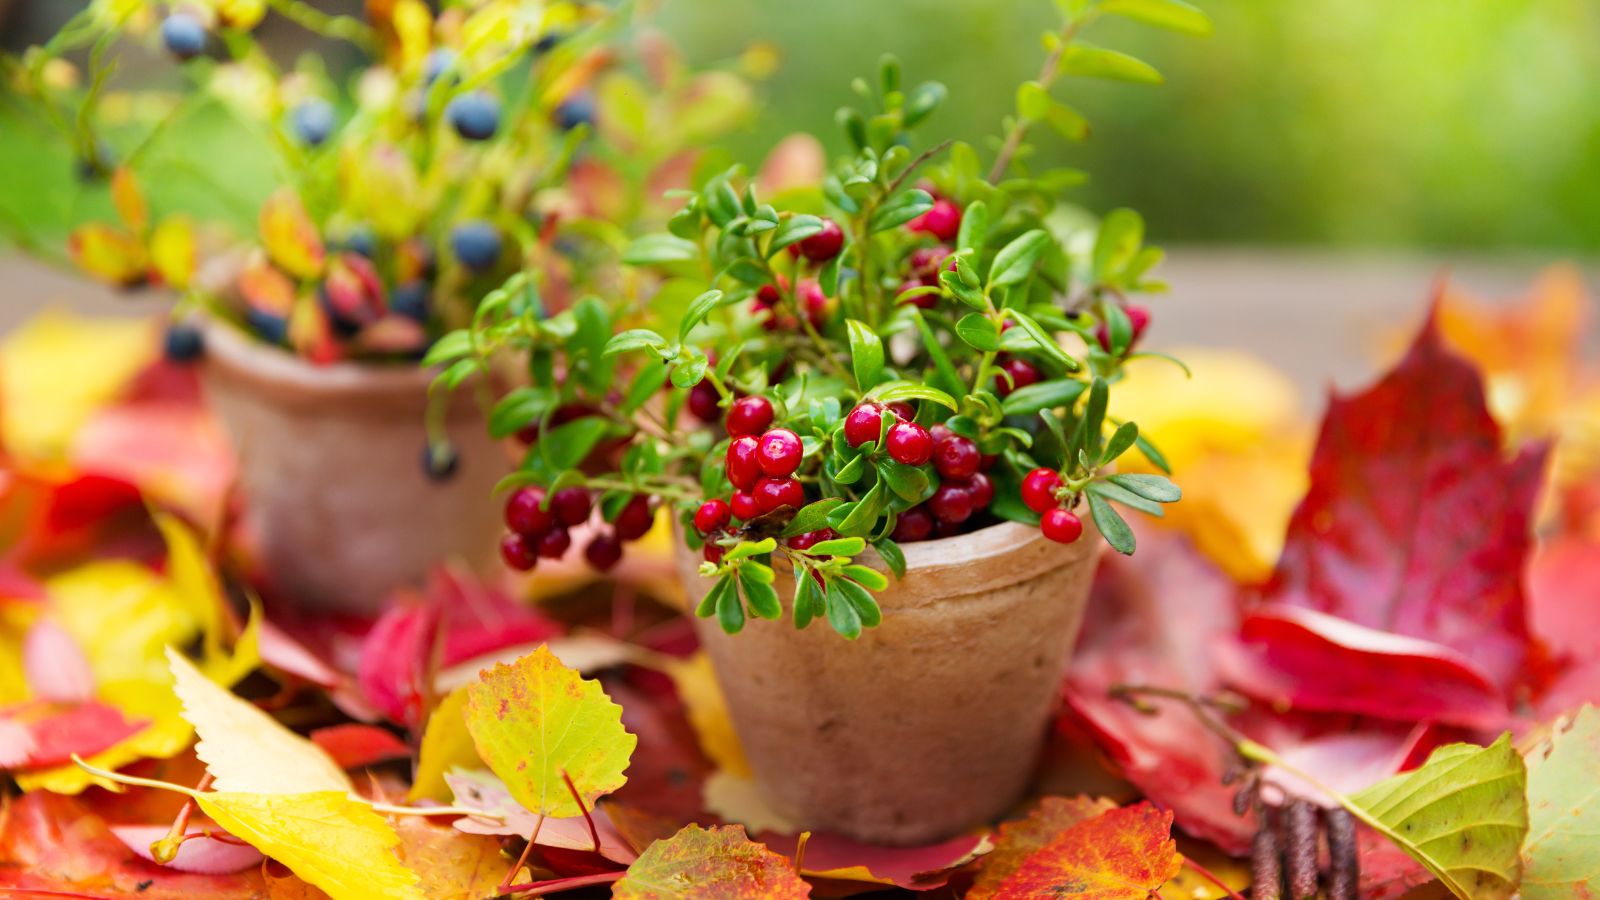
(1124, 854)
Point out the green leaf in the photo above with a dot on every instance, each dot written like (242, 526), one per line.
(866, 354)
(760, 595)
(1045, 395)
(1033, 101)
(908, 390)
(698, 309)
(892, 555)
(1560, 859)
(722, 202)
(869, 578)
(649, 379)
(922, 101)
(1016, 260)
(811, 517)
(845, 546)
(1119, 327)
(653, 249)
(808, 601)
(522, 407)
(859, 599)
(1126, 497)
(793, 230)
(1043, 339)
(1152, 453)
(979, 331)
(900, 210)
(1151, 487)
(966, 293)
(974, 227)
(1112, 528)
(1117, 243)
(1121, 440)
(1092, 425)
(454, 345)
(747, 549)
(1070, 124)
(909, 482)
(730, 612)
(690, 370)
(1463, 814)
(1097, 62)
(567, 446)
(633, 339)
(1174, 15)
(864, 513)
(708, 603)
(842, 613)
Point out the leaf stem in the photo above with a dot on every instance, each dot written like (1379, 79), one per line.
(540, 888)
(1047, 75)
(1208, 875)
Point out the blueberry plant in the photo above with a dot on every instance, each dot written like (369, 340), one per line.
(914, 349)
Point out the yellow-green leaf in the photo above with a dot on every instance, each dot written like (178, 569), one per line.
(173, 253)
(535, 719)
(446, 745)
(1561, 856)
(718, 863)
(290, 237)
(1462, 814)
(109, 254)
(129, 200)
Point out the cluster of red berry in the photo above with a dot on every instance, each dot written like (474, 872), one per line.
(1041, 493)
(540, 529)
(808, 296)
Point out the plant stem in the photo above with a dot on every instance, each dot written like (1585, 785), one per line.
(540, 888)
(1047, 75)
(1207, 874)
(315, 20)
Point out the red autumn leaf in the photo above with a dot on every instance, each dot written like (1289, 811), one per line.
(1124, 854)
(1563, 584)
(1018, 841)
(1414, 522)
(355, 746)
(39, 733)
(834, 860)
(1293, 658)
(718, 863)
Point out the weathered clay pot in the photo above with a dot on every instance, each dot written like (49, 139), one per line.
(930, 723)
(330, 461)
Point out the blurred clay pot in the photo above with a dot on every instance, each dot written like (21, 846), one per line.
(336, 502)
(930, 723)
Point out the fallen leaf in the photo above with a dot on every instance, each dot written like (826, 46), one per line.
(1017, 840)
(57, 369)
(480, 790)
(1414, 522)
(41, 734)
(717, 863)
(536, 719)
(205, 855)
(55, 666)
(356, 746)
(446, 745)
(1560, 858)
(1123, 854)
(833, 858)
(451, 865)
(738, 799)
(1462, 814)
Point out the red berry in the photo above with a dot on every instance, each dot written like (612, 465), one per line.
(981, 489)
(811, 539)
(776, 493)
(825, 244)
(713, 553)
(635, 518)
(744, 505)
(925, 263)
(571, 505)
(523, 514)
(711, 516)
(704, 403)
(1139, 317)
(956, 457)
(814, 302)
(744, 466)
(903, 410)
(909, 443)
(603, 552)
(951, 503)
(915, 524)
(517, 552)
(1022, 372)
(749, 415)
(768, 295)
(1061, 526)
(943, 221)
(779, 452)
(987, 461)
(862, 424)
(1039, 489)
(941, 433)
(527, 434)
(554, 544)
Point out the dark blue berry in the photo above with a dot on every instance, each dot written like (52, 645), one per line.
(476, 244)
(411, 300)
(270, 328)
(183, 35)
(361, 240)
(99, 166)
(474, 116)
(439, 461)
(434, 64)
(548, 42)
(183, 343)
(575, 110)
(313, 122)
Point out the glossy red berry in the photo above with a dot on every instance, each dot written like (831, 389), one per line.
(915, 524)
(825, 244)
(712, 516)
(951, 503)
(744, 466)
(1061, 526)
(814, 302)
(523, 514)
(925, 263)
(768, 295)
(749, 415)
(776, 493)
(635, 519)
(903, 410)
(554, 544)
(603, 552)
(744, 505)
(712, 553)
(981, 489)
(518, 553)
(862, 424)
(1039, 489)
(909, 443)
(956, 457)
(1022, 372)
(704, 403)
(943, 221)
(779, 452)
(811, 539)
(571, 506)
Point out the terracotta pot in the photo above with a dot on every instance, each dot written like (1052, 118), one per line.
(330, 462)
(930, 723)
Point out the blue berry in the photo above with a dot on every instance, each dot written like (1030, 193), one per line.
(183, 342)
(363, 241)
(474, 116)
(411, 300)
(476, 244)
(439, 461)
(576, 110)
(434, 64)
(183, 35)
(313, 122)
(271, 328)
(548, 42)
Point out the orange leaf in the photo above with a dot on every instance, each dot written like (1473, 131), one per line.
(265, 288)
(129, 200)
(1019, 840)
(290, 236)
(109, 254)
(718, 863)
(1125, 854)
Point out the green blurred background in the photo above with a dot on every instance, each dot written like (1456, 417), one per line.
(1431, 124)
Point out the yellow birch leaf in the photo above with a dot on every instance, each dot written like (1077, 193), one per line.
(535, 719)
(289, 235)
(173, 252)
(324, 837)
(446, 745)
(109, 254)
(129, 200)
(245, 750)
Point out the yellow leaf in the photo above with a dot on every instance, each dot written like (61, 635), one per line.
(535, 719)
(325, 837)
(413, 30)
(129, 200)
(109, 254)
(172, 251)
(289, 236)
(446, 745)
(124, 616)
(708, 714)
(241, 14)
(452, 865)
(246, 750)
(57, 370)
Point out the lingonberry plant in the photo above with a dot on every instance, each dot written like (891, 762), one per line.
(916, 348)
